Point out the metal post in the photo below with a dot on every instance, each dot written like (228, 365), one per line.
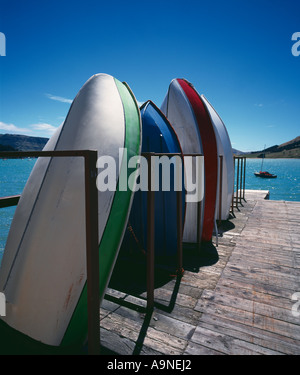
(220, 186)
(150, 237)
(244, 178)
(237, 183)
(92, 252)
(199, 223)
(179, 233)
(241, 180)
(178, 171)
(232, 200)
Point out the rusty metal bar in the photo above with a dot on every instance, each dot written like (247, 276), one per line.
(240, 173)
(9, 201)
(92, 235)
(35, 154)
(244, 182)
(150, 236)
(241, 180)
(232, 200)
(179, 233)
(220, 186)
(199, 219)
(92, 252)
(237, 183)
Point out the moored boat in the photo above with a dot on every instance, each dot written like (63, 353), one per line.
(265, 174)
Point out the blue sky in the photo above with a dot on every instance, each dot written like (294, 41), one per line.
(236, 53)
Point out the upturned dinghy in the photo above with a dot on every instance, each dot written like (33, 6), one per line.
(158, 136)
(43, 270)
(187, 113)
(225, 191)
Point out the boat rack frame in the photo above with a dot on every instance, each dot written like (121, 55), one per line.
(92, 232)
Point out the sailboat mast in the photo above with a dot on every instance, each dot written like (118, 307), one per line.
(262, 161)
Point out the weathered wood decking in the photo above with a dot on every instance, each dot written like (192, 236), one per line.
(232, 299)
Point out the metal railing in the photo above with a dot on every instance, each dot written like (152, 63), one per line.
(239, 181)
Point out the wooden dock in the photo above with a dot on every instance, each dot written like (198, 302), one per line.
(241, 297)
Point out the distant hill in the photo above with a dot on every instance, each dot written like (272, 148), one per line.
(6, 148)
(16, 142)
(238, 152)
(290, 149)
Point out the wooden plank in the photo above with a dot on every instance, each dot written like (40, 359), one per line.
(241, 287)
(266, 323)
(200, 280)
(226, 343)
(259, 255)
(258, 276)
(257, 336)
(277, 270)
(179, 312)
(265, 308)
(164, 296)
(163, 343)
(255, 296)
(266, 281)
(196, 349)
(174, 327)
(258, 247)
(121, 344)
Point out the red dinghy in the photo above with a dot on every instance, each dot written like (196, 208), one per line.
(189, 116)
(210, 152)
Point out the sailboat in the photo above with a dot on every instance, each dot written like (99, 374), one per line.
(264, 174)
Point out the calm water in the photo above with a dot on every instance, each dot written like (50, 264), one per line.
(287, 184)
(14, 174)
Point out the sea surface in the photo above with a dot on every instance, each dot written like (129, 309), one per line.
(15, 172)
(287, 184)
(13, 176)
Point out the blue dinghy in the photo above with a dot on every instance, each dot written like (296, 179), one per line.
(157, 136)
